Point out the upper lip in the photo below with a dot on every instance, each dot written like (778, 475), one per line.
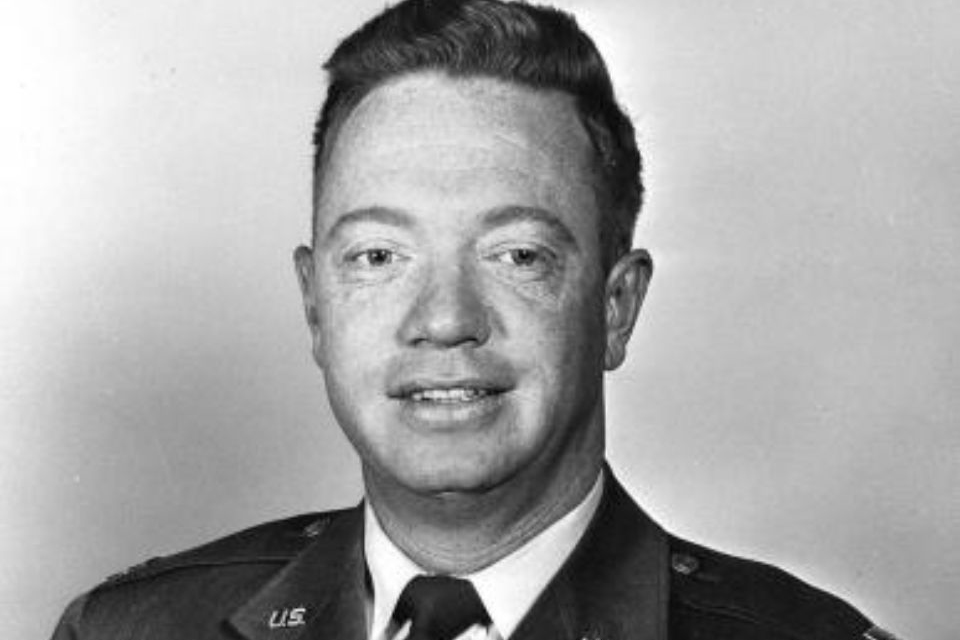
(406, 388)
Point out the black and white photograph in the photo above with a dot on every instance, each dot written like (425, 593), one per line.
(480, 320)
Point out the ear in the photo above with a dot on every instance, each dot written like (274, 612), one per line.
(305, 266)
(626, 288)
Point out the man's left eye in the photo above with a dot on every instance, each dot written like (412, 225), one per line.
(522, 256)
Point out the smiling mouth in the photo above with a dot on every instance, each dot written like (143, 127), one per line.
(445, 405)
(455, 395)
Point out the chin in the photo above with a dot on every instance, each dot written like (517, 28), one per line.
(439, 474)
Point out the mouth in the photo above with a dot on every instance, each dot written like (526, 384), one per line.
(456, 395)
(446, 399)
(458, 407)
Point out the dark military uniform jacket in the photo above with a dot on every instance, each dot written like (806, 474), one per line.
(306, 578)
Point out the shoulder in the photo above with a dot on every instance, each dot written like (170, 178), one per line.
(269, 543)
(196, 584)
(718, 596)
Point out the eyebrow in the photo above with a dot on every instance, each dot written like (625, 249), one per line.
(503, 216)
(382, 215)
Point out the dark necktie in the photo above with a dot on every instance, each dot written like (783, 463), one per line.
(439, 607)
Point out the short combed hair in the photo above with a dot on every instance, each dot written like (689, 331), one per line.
(533, 46)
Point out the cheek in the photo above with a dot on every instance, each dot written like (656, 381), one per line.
(563, 350)
(571, 328)
(354, 320)
(350, 348)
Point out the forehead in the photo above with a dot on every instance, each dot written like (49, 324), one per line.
(428, 132)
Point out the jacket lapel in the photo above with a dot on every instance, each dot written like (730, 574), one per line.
(319, 594)
(615, 585)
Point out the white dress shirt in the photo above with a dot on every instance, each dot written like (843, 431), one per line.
(508, 588)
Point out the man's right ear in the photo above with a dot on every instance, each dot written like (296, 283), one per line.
(307, 277)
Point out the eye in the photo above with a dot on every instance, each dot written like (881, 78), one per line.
(525, 262)
(372, 260)
(375, 257)
(525, 257)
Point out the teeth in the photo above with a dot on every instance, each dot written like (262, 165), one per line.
(450, 396)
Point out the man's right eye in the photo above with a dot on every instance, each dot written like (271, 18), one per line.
(371, 258)
(375, 257)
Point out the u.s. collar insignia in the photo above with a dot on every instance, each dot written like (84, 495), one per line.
(287, 618)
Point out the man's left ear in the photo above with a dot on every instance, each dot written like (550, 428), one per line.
(626, 287)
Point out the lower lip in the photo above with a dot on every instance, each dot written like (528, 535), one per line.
(452, 415)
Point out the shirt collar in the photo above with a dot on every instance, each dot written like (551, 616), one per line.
(390, 571)
(508, 588)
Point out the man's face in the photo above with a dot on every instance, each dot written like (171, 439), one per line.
(455, 285)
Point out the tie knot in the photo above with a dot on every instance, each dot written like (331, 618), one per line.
(439, 607)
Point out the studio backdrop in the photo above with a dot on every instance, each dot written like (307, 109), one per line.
(791, 391)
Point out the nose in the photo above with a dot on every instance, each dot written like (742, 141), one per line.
(449, 311)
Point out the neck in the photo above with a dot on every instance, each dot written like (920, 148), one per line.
(458, 533)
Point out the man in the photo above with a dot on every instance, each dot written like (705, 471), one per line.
(469, 282)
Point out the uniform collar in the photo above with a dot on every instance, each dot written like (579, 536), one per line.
(614, 585)
(318, 595)
(508, 588)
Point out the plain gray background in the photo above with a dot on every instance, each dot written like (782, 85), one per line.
(792, 389)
